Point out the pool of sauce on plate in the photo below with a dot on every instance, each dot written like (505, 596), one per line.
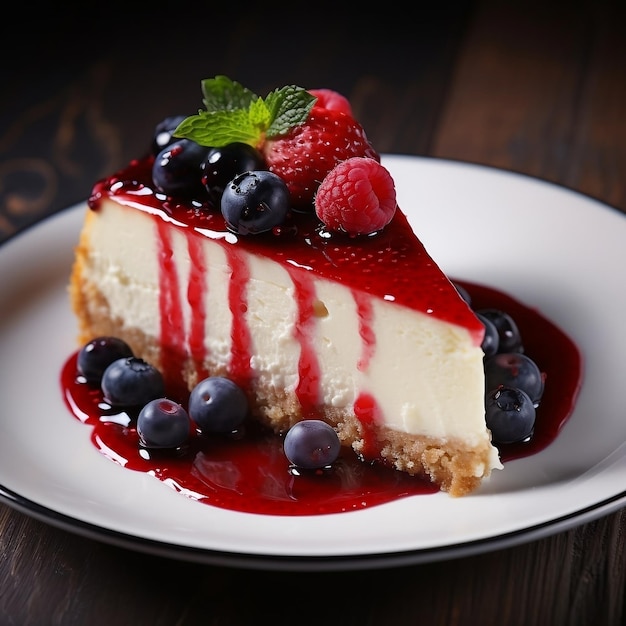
(248, 471)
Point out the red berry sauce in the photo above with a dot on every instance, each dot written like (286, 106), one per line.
(248, 471)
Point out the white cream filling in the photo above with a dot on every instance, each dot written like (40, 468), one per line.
(426, 375)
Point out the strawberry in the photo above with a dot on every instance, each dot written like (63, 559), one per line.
(300, 142)
(304, 156)
(330, 99)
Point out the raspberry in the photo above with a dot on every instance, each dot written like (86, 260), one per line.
(357, 197)
(330, 99)
(304, 156)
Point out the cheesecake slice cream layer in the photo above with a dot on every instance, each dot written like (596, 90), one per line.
(398, 384)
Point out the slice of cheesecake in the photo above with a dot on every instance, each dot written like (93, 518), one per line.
(367, 333)
(332, 310)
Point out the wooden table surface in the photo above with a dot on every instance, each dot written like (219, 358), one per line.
(532, 87)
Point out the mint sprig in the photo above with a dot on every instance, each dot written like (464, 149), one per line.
(234, 113)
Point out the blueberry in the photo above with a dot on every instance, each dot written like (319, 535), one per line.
(514, 369)
(163, 134)
(131, 382)
(510, 339)
(510, 415)
(223, 164)
(491, 340)
(255, 202)
(217, 405)
(163, 423)
(311, 444)
(96, 355)
(176, 169)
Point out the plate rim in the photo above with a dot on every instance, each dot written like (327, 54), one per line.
(301, 563)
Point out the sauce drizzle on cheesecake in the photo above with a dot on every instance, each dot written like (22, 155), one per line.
(249, 472)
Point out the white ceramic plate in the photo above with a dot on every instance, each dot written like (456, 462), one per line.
(553, 249)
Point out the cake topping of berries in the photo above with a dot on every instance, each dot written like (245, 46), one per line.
(331, 99)
(176, 169)
(225, 163)
(262, 161)
(300, 140)
(304, 156)
(358, 197)
(255, 202)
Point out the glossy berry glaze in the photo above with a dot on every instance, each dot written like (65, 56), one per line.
(248, 471)
(392, 264)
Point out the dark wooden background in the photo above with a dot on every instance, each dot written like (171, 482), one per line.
(533, 87)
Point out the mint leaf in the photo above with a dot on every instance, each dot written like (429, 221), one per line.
(219, 128)
(290, 106)
(221, 93)
(234, 113)
(260, 115)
